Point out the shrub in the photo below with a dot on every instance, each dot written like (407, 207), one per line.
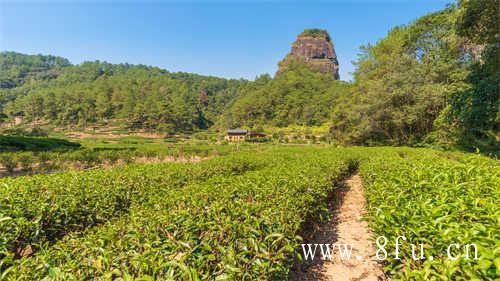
(44, 164)
(26, 161)
(9, 162)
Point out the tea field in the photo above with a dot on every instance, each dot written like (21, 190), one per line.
(242, 216)
(39, 157)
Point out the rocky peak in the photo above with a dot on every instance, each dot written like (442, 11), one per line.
(314, 47)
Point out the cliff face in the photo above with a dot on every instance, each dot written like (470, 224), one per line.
(314, 47)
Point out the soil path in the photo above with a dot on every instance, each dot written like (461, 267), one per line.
(346, 227)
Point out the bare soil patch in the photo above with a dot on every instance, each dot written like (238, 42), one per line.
(346, 227)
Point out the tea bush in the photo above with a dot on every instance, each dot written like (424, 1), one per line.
(238, 226)
(39, 209)
(240, 217)
(437, 200)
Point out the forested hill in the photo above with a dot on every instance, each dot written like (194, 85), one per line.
(16, 68)
(300, 95)
(146, 97)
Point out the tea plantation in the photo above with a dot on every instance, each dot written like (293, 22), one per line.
(242, 216)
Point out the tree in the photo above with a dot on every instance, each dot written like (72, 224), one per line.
(475, 111)
(298, 96)
(403, 83)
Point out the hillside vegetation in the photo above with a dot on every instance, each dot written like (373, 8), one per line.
(16, 68)
(298, 96)
(425, 82)
(146, 97)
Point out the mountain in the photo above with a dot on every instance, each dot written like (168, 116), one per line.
(315, 48)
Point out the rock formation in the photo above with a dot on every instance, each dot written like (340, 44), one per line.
(314, 47)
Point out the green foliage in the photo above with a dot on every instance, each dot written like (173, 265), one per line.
(16, 68)
(298, 96)
(26, 161)
(315, 32)
(68, 202)
(436, 199)
(479, 20)
(19, 131)
(9, 162)
(20, 143)
(475, 110)
(235, 217)
(143, 97)
(402, 83)
(94, 155)
(433, 81)
(239, 217)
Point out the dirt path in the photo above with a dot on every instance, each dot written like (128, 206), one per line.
(346, 227)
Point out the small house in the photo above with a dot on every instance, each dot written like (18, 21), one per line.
(236, 135)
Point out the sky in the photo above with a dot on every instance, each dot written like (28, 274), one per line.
(233, 39)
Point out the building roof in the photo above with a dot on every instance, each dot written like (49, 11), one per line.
(236, 131)
(257, 134)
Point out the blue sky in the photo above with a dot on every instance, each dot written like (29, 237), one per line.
(222, 38)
